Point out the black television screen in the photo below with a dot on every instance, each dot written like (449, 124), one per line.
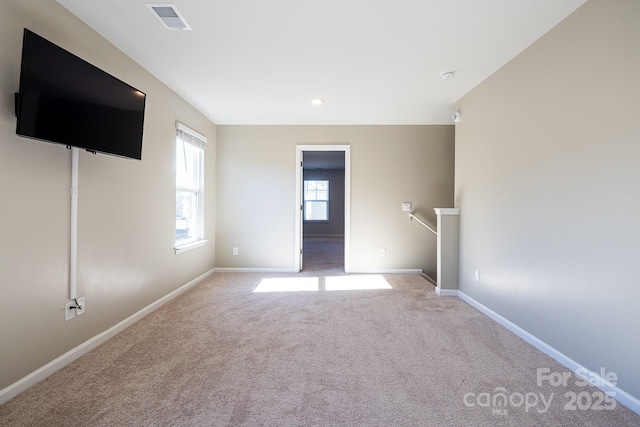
(66, 100)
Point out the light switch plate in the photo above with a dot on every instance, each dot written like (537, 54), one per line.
(406, 206)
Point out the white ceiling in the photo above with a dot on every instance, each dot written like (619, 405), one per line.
(372, 61)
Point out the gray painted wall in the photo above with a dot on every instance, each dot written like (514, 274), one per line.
(126, 207)
(389, 165)
(547, 181)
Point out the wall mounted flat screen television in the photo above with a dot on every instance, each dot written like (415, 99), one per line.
(65, 100)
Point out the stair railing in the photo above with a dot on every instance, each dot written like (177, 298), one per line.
(412, 217)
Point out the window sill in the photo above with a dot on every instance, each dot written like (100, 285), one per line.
(189, 246)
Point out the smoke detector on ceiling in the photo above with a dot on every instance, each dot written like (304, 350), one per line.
(169, 16)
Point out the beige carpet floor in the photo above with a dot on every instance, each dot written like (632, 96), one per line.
(323, 254)
(224, 355)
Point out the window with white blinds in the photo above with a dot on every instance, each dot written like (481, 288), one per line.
(189, 185)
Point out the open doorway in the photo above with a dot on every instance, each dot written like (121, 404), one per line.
(323, 211)
(322, 208)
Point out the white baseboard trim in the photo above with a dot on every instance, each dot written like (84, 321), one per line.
(614, 391)
(254, 270)
(446, 292)
(40, 374)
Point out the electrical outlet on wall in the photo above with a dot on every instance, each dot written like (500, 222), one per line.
(71, 309)
(478, 276)
(82, 308)
(234, 251)
(383, 252)
(69, 312)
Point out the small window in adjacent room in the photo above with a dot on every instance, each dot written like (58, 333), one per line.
(316, 200)
(189, 186)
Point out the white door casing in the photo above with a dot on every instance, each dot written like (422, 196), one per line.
(347, 201)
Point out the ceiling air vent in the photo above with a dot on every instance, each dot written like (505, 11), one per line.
(169, 16)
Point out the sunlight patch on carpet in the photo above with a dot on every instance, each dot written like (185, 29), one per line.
(356, 283)
(330, 283)
(289, 284)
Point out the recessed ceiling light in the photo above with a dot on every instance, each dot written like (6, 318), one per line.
(446, 75)
(317, 101)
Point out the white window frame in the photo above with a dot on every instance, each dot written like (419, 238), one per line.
(186, 135)
(325, 201)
